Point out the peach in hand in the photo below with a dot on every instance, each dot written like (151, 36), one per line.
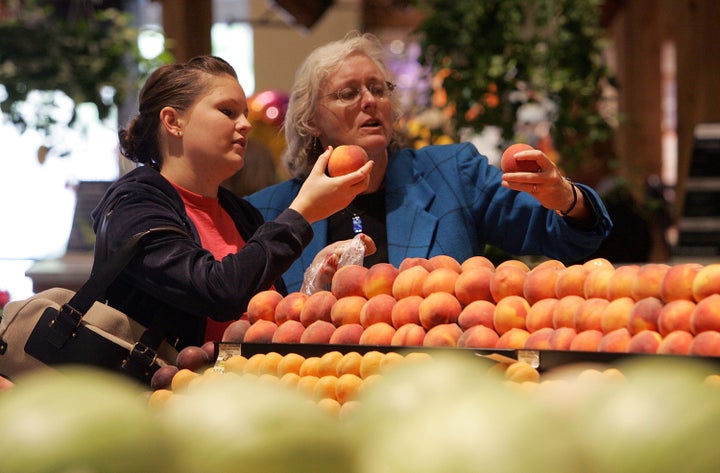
(508, 163)
(345, 159)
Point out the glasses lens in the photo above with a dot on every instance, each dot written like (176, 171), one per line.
(348, 94)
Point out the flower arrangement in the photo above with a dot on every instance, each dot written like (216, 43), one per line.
(4, 299)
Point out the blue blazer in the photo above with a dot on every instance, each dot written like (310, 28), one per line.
(449, 200)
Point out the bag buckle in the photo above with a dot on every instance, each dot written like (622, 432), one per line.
(63, 325)
(140, 354)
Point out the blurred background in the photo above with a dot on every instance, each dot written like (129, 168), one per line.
(623, 94)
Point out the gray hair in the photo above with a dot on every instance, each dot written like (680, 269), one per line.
(302, 152)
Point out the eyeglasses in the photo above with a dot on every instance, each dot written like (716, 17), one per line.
(350, 95)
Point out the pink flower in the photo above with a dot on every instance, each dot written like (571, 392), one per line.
(4, 298)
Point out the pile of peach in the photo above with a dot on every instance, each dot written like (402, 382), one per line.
(595, 306)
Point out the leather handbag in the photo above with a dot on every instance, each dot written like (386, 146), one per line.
(58, 327)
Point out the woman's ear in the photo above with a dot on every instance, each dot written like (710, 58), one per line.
(171, 121)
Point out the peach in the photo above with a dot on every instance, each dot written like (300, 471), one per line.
(706, 315)
(598, 263)
(262, 305)
(540, 314)
(411, 261)
(588, 315)
(562, 338)
(235, 332)
(345, 159)
(379, 279)
(409, 282)
(473, 284)
(644, 315)
(445, 261)
(261, 331)
(621, 282)
(513, 339)
(508, 162)
(347, 334)
(706, 343)
(645, 341)
(587, 340)
(540, 284)
(319, 331)
(477, 261)
(477, 313)
(571, 281)
(615, 341)
(346, 310)
(676, 315)
(438, 308)
(676, 342)
(478, 336)
(289, 331)
(507, 280)
(648, 280)
(596, 282)
(516, 263)
(539, 339)
(408, 335)
(617, 314)
(377, 309)
(406, 311)
(348, 281)
(317, 307)
(564, 310)
(443, 335)
(379, 333)
(290, 307)
(440, 279)
(550, 263)
(706, 282)
(510, 312)
(678, 282)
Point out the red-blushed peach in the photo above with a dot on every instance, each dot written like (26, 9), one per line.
(348, 281)
(379, 279)
(440, 279)
(596, 282)
(409, 282)
(706, 343)
(564, 310)
(411, 261)
(676, 315)
(290, 307)
(706, 282)
(289, 331)
(317, 307)
(550, 263)
(513, 339)
(320, 331)
(408, 335)
(510, 312)
(443, 335)
(345, 159)
(508, 162)
(539, 339)
(598, 263)
(515, 263)
(620, 283)
(615, 341)
(235, 332)
(477, 261)
(346, 310)
(644, 315)
(588, 315)
(438, 308)
(540, 284)
(477, 313)
(562, 337)
(473, 284)
(261, 331)
(379, 333)
(262, 305)
(587, 340)
(406, 311)
(645, 341)
(617, 314)
(478, 336)
(648, 280)
(540, 314)
(571, 281)
(706, 315)
(445, 261)
(507, 280)
(347, 334)
(678, 282)
(676, 343)
(377, 309)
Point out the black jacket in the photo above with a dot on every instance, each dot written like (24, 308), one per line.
(173, 283)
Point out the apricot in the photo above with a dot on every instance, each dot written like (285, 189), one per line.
(349, 363)
(370, 363)
(290, 363)
(508, 162)
(347, 387)
(345, 159)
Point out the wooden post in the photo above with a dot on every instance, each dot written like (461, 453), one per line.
(187, 25)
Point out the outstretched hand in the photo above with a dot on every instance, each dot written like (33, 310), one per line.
(319, 274)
